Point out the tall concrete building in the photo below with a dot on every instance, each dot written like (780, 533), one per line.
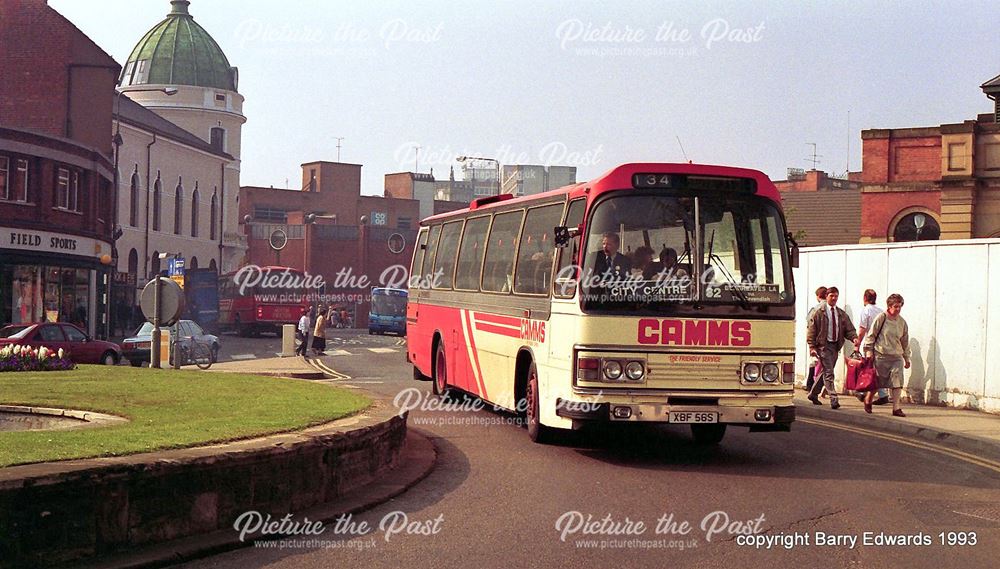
(528, 179)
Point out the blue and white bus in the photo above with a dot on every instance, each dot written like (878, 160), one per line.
(388, 311)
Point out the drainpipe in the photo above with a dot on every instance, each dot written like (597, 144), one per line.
(222, 212)
(145, 247)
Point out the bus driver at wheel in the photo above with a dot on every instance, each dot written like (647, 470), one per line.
(608, 262)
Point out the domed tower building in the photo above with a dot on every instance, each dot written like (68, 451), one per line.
(179, 53)
(180, 118)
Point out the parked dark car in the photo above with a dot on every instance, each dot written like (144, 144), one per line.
(136, 348)
(75, 343)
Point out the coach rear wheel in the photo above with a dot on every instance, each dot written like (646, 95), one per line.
(708, 434)
(538, 432)
(440, 372)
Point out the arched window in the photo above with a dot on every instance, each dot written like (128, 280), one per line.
(154, 264)
(194, 211)
(213, 266)
(133, 263)
(157, 198)
(178, 206)
(194, 262)
(213, 214)
(916, 226)
(133, 200)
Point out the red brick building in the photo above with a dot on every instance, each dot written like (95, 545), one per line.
(56, 169)
(937, 182)
(348, 235)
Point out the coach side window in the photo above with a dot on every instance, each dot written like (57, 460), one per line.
(498, 267)
(564, 284)
(444, 263)
(470, 255)
(432, 245)
(418, 259)
(534, 258)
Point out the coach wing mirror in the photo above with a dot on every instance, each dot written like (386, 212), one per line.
(564, 234)
(793, 250)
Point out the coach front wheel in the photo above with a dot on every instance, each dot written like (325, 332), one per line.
(538, 432)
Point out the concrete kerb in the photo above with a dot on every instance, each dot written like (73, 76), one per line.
(416, 463)
(887, 424)
(305, 455)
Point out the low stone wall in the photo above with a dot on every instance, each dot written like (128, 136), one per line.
(58, 512)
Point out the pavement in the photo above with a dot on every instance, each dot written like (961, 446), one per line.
(966, 430)
(295, 366)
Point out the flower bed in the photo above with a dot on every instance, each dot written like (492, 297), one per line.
(28, 358)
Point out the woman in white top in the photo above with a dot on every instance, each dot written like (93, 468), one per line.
(888, 340)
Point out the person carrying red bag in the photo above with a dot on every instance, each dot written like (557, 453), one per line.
(888, 342)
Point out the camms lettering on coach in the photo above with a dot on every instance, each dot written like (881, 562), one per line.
(533, 331)
(694, 332)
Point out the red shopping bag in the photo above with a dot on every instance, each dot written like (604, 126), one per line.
(860, 374)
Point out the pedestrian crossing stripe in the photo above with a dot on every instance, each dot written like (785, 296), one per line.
(243, 357)
(382, 350)
(338, 353)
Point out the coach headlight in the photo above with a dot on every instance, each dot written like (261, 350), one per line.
(771, 373)
(634, 371)
(751, 373)
(612, 369)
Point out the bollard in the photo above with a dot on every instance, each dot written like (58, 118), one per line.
(287, 340)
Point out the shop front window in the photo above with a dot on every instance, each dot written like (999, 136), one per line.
(33, 293)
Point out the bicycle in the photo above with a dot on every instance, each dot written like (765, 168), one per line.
(198, 353)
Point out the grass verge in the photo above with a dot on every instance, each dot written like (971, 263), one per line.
(166, 408)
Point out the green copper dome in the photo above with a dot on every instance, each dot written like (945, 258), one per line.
(178, 51)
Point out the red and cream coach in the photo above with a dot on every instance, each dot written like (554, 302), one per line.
(657, 292)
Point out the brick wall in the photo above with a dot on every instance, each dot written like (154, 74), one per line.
(879, 208)
(44, 56)
(60, 512)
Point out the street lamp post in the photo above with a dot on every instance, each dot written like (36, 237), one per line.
(116, 231)
(918, 222)
(494, 160)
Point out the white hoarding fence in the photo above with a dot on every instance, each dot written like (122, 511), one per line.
(952, 306)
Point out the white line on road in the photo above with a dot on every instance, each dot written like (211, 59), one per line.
(382, 350)
(243, 356)
(338, 353)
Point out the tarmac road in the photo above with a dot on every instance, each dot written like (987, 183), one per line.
(495, 499)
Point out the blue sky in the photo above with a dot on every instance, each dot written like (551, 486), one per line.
(587, 84)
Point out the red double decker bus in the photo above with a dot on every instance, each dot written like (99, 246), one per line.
(261, 299)
(657, 292)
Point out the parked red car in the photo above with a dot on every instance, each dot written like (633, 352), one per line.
(80, 347)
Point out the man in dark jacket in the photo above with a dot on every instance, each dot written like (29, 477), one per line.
(608, 262)
(828, 328)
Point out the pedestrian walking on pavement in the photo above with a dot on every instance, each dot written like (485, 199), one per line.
(868, 315)
(319, 333)
(888, 342)
(828, 328)
(302, 332)
(820, 301)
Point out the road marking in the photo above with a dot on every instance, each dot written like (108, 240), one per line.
(243, 356)
(367, 382)
(382, 350)
(328, 370)
(978, 461)
(338, 353)
(400, 342)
